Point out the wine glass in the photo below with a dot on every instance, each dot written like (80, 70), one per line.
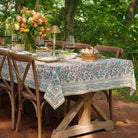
(39, 41)
(14, 40)
(70, 43)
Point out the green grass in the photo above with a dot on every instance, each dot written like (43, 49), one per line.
(124, 94)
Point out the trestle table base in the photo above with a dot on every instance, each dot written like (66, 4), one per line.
(83, 108)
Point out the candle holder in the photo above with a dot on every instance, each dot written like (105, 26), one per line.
(54, 30)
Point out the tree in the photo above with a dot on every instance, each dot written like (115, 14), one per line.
(18, 5)
(36, 5)
(70, 14)
(132, 7)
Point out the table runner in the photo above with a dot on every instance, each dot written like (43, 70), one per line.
(75, 77)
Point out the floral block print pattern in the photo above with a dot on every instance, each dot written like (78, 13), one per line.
(60, 79)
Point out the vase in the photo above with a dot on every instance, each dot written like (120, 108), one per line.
(29, 43)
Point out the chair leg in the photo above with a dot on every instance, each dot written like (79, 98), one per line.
(19, 117)
(13, 114)
(39, 123)
(0, 98)
(110, 104)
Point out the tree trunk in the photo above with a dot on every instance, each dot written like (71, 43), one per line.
(37, 5)
(132, 7)
(18, 6)
(70, 14)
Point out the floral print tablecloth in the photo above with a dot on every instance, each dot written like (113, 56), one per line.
(60, 79)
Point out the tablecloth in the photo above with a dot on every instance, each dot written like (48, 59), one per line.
(75, 77)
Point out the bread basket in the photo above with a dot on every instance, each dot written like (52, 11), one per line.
(89, 54)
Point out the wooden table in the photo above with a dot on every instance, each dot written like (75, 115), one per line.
(62, 79)
(83, 106)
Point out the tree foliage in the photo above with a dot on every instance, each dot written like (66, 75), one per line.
(94, 21)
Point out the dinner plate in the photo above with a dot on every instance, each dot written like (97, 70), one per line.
(48, 59)
(24, 53)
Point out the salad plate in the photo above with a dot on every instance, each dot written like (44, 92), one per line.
(48, 59)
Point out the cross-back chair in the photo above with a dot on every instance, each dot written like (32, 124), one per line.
(118, 51)
(6, 86)
(24, 92)
(58, 44)
(109, 49)
(79, 46)
(82, 46)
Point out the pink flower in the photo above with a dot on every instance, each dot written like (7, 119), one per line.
(22, 29)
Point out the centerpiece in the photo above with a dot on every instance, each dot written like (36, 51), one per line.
(28, 25)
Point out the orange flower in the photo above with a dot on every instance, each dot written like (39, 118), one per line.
(22, 29)
(40, 33)
(48, 29)
(44, 20)
(35, 24)
(43, 29)
(44, 35)
(23, 25)
(35, 18)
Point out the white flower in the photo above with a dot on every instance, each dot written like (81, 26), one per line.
(30, 19)
(18, 17)
(39, 15)
(16, 26)
(24, 20)
(40, 21)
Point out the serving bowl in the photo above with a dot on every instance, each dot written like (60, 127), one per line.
(68, 56)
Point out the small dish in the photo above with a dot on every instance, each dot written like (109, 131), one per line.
(68, 56)
(48, 59)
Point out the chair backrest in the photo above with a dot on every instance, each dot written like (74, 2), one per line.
(110, 49)
(82, 46)
(58, 43)
(15, 60)
(4, 57)
(79, 46)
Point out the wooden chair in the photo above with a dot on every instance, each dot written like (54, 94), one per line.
(24, 92)
(82, 46)
(79, 46)
(58, 44)
(118, 51)
(6, 86)
(109, 49)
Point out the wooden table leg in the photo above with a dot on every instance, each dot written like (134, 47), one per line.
(85, 113)
(84, 124)
(85, 117)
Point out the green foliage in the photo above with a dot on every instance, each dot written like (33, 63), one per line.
(124, 94)
(101, 23)
(97, 22)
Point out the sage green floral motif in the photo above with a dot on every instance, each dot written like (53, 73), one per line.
(78, 77)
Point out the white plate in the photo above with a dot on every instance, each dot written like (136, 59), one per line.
(24, 53)
(48, 59)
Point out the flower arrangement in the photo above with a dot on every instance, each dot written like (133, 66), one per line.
(31, 24)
